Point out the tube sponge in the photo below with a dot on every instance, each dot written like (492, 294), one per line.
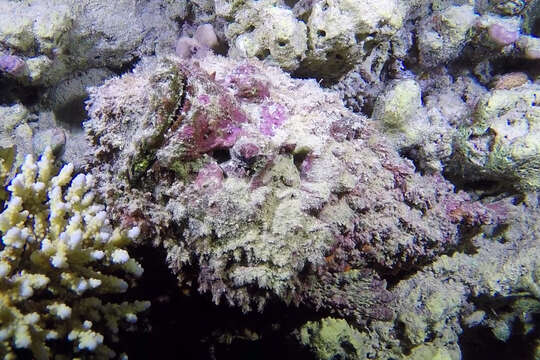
(202, 42)
(206, 36)
(58, 255)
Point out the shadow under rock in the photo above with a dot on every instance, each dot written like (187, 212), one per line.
(11, 92)
(478, 343)
(181, 326)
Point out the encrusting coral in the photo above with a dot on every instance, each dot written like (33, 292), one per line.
(324, 39)
(494, 289)
(58, 257)
(503, 142)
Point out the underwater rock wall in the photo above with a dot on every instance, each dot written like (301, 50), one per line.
(374, 163)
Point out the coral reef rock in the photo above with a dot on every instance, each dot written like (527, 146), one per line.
(503, 142)
(267, 31)
(52, 39)
(324, 39)
(494, 288)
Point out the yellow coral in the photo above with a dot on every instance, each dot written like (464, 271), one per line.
(56, 256)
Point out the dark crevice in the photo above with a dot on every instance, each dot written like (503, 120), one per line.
(183, 324)
(291, 3)
(535, 31)
(299, 158)
(466, 245)
(404, 341)
(264, 54)
(11, 93)
(126, 67)
(221, 155)
(413, 153)
(403, 273)
(479, 343)
(72, 114)
(486, 187)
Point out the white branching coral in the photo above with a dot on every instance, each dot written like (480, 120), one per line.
(58, 255)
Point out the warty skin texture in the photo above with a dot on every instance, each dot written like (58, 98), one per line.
(259, 194)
